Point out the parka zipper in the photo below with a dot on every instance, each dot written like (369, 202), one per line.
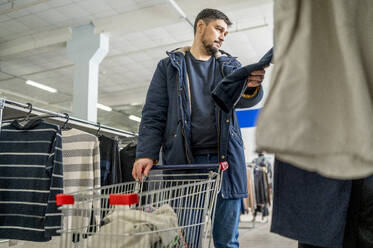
(185, 145)
(219, 135)
(219, 110)
(182, 124)
(190, 110)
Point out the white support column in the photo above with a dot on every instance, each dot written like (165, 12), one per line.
(86, 50)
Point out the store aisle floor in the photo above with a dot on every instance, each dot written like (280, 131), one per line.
(260, 237)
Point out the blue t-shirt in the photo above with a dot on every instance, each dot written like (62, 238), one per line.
(203, 123)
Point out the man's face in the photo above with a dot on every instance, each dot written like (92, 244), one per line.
(213, 35)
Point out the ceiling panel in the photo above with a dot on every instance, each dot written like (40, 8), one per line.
(72, 11)
(18, 13)
(19, 86)
(134, 53)
(52, 16)
(95, 6)
(58, 3)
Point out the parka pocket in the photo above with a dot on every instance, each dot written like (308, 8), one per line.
(171, 136)
(235, 135)
(174, 151)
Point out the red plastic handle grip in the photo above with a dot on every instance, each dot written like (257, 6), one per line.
(123, 199)
(62, 199)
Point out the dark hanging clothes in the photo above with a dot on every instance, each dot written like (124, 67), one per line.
(308, 207)
(300, 245)
(365, 238)
(327, 213)
(31, 176)
(111, 172)
(229, 91)
(261, 192)
(260, 187)
(127, 158)
(359, 223)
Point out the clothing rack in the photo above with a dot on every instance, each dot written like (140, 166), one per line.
(85, 125)
(252, 165)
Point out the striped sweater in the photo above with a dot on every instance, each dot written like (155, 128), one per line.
(30, 177)
(81, 168)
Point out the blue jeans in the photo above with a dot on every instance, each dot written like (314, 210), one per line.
(227, 213)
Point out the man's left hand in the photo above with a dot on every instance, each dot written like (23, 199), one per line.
(256, 78)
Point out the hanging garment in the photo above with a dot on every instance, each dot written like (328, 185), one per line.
(326, 213)
(250, 201)
(111, 172)
(308, 207)
(260, 187)
(359, 223)
(122, 225)
(31, 175)
(229, 91)
(81, 169)
(365, 225)
(261, 192)
(127, 158)
(319, 111)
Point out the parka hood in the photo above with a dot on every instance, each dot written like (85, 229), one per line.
(183, 50)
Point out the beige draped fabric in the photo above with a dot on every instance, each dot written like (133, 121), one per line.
(319, 111)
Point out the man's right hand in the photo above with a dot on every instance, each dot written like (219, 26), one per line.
(140, 165)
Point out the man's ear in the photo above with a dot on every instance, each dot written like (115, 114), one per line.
(200, 26)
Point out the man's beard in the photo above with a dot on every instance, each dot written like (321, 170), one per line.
(210, 49)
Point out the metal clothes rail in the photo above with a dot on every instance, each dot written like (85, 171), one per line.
(72, 120)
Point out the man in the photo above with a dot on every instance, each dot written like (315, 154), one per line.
(180, 115)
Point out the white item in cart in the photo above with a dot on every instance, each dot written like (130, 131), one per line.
(123, 224)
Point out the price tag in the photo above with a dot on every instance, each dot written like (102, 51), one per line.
(224, 165)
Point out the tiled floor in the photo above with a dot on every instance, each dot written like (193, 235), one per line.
(260, 237)
(257, 237)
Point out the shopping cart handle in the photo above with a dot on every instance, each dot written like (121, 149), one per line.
(186, 167)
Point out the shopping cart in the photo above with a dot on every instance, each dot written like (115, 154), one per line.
(173, 207)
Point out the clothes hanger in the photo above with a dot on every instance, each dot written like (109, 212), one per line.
(133, 141)
(23, 120)
(65, 127)
(27, 117)
(98, 130)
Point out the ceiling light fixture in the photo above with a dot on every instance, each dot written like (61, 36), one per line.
(134, 118)
(103, 107)
(41, 86)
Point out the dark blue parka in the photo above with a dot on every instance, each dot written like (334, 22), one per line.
(166, 120)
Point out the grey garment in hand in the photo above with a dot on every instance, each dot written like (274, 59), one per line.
(123, 224)
(319, 112)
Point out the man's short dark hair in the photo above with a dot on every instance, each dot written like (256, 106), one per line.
(208, 15)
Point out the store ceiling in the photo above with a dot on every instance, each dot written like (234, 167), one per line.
(33, 35)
